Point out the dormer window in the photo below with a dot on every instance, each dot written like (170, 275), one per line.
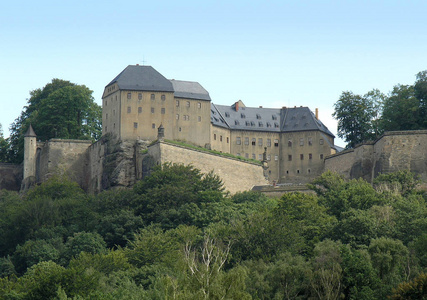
(276, 125)
(268, 124)
(252, 123)
(248, 123)
(260, 124)
(274, 117)
(242, 115)
(258, 116)
(236, 122)
(227, 114)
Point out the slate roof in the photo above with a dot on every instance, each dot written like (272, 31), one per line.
(30, 132)
(142, 78)
(267, 119)
(189, 90)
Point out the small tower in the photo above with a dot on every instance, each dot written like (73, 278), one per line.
(30, 148)
(160, 132)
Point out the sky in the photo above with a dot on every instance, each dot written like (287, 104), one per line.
(269, 53)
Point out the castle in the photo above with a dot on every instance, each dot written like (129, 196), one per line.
(143, 112)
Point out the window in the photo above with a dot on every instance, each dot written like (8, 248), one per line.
(252, 123)
(153, 97)
(227, 114)
(274, 117)
(106, 102)
(246, 155)
(276, 157)
(114, 126)
(289, 157)
(310, 141)
(106, 128)
(258, 116)
(199, 119)
(276, 143)
(247, 123)
(276, 125)
(242, 115)
(220, 138)
(253, 156)
(321, 141)
(139, 96)
(106, 116)
(308, 171)
(289, 143)
(228, 140)
(129, 109)
(260, 124)
(310, 156)
(152, 110)
(177, 103)
(186, 117)
(268, 124)
(268, 142)
(163, 97)
(135, 125)
(139, 109)
(253, 141)
(238, 154)
(214, 136)
(301, 156)
(163, 111)
(199, 105)
(246, 141)
(129, 95)
(236, 122)
(321, 156)
(238, 140)
(268, 157)
(298, 171)
(177, 116)
(153, 126)
(259, 156)
(187, 104)
(301, 142)
(260, 142)
(179, 129)
(114, 112)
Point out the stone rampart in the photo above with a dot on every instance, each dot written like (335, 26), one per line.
(393, 151)
(63, 157)
(237, 175)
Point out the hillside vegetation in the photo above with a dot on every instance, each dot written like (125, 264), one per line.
(178, 235)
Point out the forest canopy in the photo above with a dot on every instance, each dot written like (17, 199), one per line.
(177, 234)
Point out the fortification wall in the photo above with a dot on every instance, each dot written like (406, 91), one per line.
(10, 176)
(63, 157)
(237, 175)
(393, 151)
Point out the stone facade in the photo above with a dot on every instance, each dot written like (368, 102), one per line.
(237, 175)
(394, 151)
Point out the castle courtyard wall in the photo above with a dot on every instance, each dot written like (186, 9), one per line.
(238, 176)
(63, 157)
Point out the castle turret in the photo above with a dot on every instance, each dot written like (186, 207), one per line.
(30, 148)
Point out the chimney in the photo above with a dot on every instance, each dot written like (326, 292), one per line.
(260, 106)
(236, 106)
(317, 114)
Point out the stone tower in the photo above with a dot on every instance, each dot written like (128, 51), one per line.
(30, 148)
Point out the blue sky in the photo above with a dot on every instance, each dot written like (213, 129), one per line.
(269, 53)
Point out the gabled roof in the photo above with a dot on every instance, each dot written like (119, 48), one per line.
(189, 90)
(266, 119)
(142, 78)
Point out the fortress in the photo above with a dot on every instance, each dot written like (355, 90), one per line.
(143, 113)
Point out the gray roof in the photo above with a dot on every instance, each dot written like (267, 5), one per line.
(30, 132)
(142, 78)
(266, 119)
(189, 90)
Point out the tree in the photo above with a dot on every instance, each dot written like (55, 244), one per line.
(420, 88)
(4, 147)
(357, 116)
(61, 109)
(401, 110)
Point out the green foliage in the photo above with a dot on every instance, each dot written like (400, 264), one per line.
(414, 289)
(176, 194)
(404, 182)
(357, 116)
(61, 109)
(4, 148)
